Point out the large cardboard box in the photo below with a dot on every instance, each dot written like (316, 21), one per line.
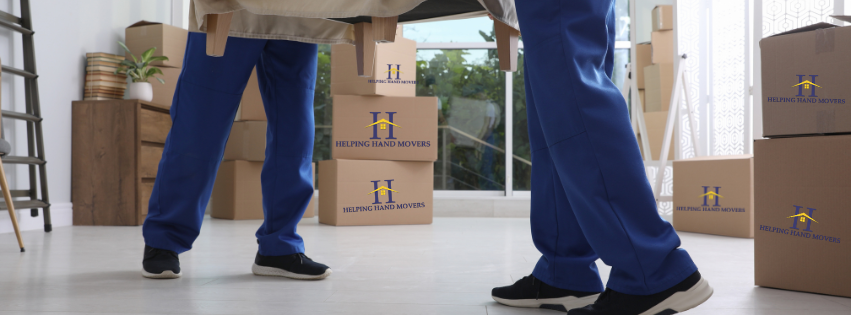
(802, 237)
(237, 194)
(655, 123)
(375, 192)
(247, 141)
(663, 46)
(251, 105)
(384, 128)
(642, 95)
(659, 83)
(164, 92)
(714, 195)
(170, 41)
(643, 53)
(805, 81)
(663, 18)
(311, 207)
(395, 71)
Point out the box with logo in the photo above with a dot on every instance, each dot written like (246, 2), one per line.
(805, 81)
(237, 194)
(170, 41)
(384, 128)
(247, 141)
(663, 18)
(801, 195)
(394, 74)
(714, 195)
(655, 123)
(658, 85)
(251, 105)
(375, 192)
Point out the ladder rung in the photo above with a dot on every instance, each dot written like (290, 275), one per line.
(25, 204)
(9, 18)
(22, 160)
(15, 27)
(21, 116)
(16, 71)
(19, 193)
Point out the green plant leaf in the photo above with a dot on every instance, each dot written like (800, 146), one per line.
(125, 47)
(146, 56)
(127, 63)
(161, 80)
(157, 58)
(157, 70)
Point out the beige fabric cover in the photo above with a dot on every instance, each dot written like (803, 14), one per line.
(305, 20)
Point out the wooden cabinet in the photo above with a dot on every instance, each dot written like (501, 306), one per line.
(116, 151)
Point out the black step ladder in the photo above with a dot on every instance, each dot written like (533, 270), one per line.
(35, 136)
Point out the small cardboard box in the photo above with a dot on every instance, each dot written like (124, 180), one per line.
(247, 141)
(384, 128)
(251, 105)
(659, 83)
(237, 192)
(375, 192)
(170, 41)
(643, 53)
(663, 46)
(802, 239)
(714, 195)
(663, 18)
(642, 95)
(164, 92)
(311, 207)
(395, 72)
(805, 81)
(655, 123)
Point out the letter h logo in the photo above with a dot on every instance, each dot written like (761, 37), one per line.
(806, 85)
(383, 191)
(802, 217)
(390, 72)
(711, 195)
(383, 124)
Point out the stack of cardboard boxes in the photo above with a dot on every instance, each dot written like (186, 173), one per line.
(237, 192)
(170, 41)
(384, 141)
(802, 173)
(655, 77)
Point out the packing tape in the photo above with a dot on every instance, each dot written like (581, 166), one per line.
(825, 121)
(824, 40)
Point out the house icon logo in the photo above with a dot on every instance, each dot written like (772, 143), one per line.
(381, 190)
(803, 218)
(382, 124)
(709, 196)
(806, 85)
(390, 71)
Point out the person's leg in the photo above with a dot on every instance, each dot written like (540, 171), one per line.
(205, 102)
(586, 128)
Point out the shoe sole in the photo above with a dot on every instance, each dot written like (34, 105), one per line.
(563, 304)
(168, 274)
(683, 301)
(277, 272)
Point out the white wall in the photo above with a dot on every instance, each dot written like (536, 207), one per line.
(64, 32)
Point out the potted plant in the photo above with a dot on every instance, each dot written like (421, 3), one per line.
(138, 72)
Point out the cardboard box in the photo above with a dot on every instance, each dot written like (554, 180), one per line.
(659, 83)
(642, 95)
(655, 123)
(164, 92)
(375, 192)
(663, 18)
(643, 56)
(395, 71)
(251, 105)
(384, 128)
(311, 207)
(663, 46)
(801, 191)
(714, 195)
(170, 41)
(237, 193)
(247, 141)
(805, 81)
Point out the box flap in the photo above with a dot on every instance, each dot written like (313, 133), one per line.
(813, 27)
(143, 23)
(845, 18)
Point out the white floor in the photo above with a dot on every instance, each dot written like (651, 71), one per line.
(445, 268)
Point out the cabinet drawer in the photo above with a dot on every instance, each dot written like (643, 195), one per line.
(150, 160)
(154, 125)
(144, 196)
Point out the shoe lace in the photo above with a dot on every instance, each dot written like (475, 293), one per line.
(536, 283)
(302, 257)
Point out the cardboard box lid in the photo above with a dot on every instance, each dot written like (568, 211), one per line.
(717, 158)
(844, 18)
(143, 23)
(808, 28)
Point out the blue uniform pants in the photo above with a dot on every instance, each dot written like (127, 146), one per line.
(205, 102)
(590, 195)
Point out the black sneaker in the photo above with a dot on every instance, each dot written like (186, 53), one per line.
(531, 292)
(160, 264)
(684, 296)
(295, 266)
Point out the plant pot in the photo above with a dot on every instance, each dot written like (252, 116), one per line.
(141, 91)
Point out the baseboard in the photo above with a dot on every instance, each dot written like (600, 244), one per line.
(60, 215)
(486, 207)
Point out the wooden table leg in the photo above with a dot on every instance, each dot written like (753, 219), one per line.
(384, 29)
(365, 49)
(506, 45)
(218, 27)
(10, 205)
